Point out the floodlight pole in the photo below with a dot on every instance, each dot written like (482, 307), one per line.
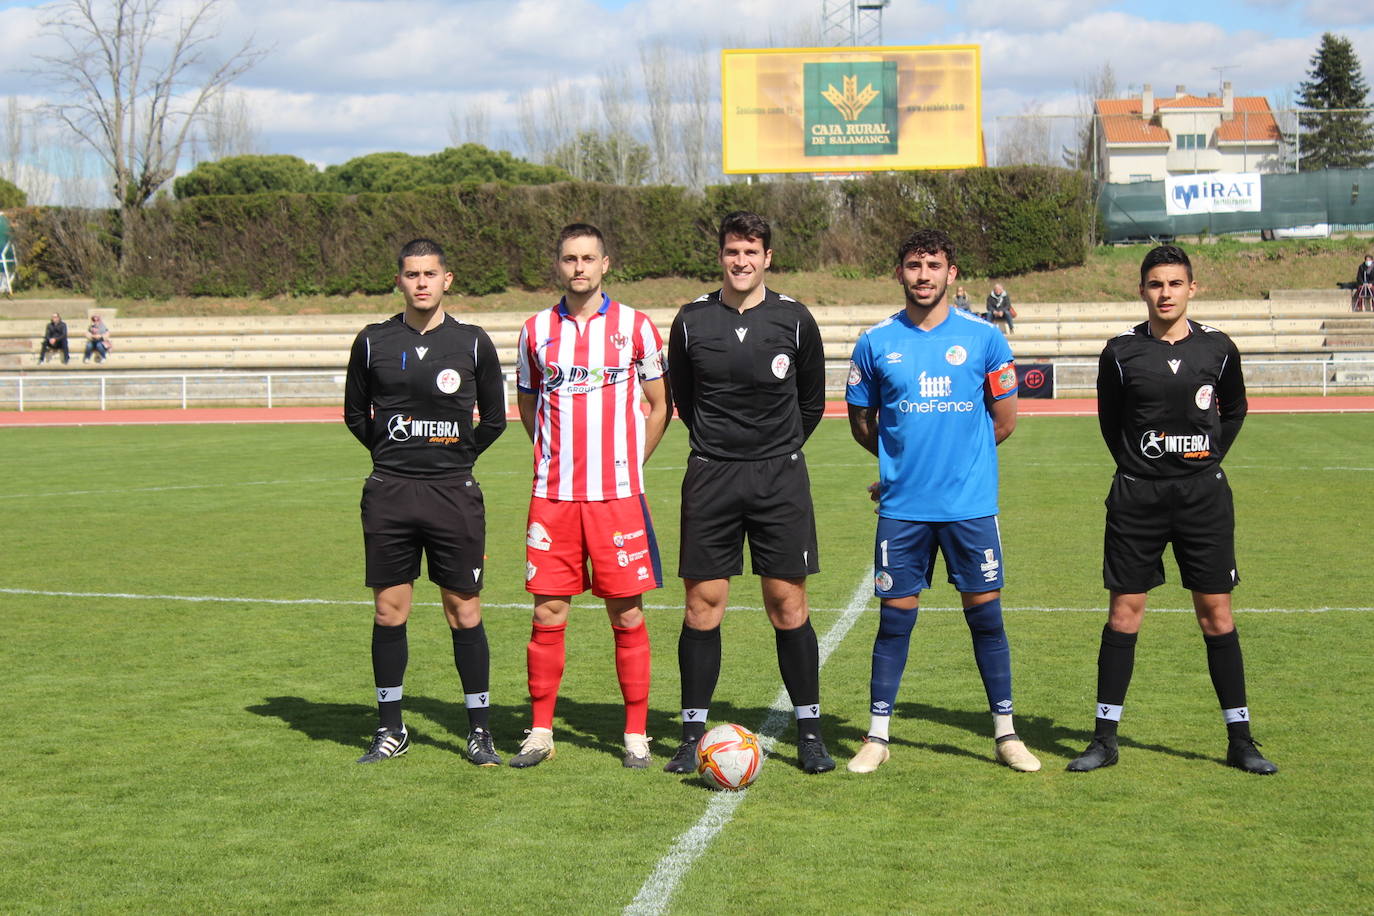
(852, 23)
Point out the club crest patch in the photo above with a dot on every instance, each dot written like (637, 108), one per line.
(956, 355)
(448, 381)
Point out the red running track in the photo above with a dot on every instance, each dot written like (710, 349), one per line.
(1064, 407)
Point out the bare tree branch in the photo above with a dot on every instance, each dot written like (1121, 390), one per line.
(134, 80)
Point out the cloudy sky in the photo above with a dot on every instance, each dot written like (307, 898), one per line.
(345, 77)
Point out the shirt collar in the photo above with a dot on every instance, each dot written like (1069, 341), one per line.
(562, 306)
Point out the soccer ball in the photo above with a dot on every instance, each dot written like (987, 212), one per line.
(729, 757)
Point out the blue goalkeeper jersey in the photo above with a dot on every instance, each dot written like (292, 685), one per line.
(937, 457)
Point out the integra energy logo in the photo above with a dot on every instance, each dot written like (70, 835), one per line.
(851, 108)
(1155, 444)
(1218, 192)
(439, 432)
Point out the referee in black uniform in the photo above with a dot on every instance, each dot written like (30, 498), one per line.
(747, 373)
(413, 381)
(1170, 402)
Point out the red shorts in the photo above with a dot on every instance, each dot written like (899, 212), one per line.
(615, 535)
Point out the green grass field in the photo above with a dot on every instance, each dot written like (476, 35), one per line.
(185, 717)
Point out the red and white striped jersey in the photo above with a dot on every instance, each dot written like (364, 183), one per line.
(589, 428)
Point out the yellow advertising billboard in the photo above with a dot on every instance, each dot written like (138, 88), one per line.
(851, 109)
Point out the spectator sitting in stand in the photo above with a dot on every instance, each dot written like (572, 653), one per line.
(55, 338)
(1362, 299)
(1000, 308)
(961, 299)
(97, 340)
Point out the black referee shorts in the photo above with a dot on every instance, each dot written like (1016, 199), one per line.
(1195, 513)
(445, 519)
(769, 501)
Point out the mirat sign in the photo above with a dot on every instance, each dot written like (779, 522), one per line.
(857, 109)
(1213, 192)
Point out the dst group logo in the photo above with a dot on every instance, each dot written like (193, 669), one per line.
(581, 379)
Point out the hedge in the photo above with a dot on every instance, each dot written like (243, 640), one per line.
(1004, 222)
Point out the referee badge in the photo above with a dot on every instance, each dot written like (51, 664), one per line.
(781, 362)
(448, 381)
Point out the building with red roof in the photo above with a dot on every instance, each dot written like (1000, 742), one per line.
(1148, 139)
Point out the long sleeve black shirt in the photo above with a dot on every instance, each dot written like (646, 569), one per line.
(748, 385)
(409, 397)
(1170, 410)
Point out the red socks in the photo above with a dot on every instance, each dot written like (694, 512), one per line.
(632, 670)
(545, 656)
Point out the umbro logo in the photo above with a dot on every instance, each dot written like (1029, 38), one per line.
(893, 357)
(740, 332)
(421, 351)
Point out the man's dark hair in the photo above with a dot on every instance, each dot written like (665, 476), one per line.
(419, 248)
(579, 231)
(927, 241)
(746, 225)
(1165, 254)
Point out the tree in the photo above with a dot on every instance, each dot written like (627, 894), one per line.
(228, 128)
(1025, 138)
(377, 172)
(1338, 138)
(474, 162)
(248, 175)
(1099, 84)
(385, 172)
(11, 196)
(609, 158)
(132, 80)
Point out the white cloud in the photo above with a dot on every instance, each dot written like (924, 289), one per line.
(1020, 16)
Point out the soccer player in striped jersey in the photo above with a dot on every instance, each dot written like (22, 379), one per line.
(583, 367)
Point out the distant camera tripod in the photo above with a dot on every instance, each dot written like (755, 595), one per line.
(1362, 300)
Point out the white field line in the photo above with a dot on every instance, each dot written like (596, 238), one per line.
(657, 890)
(341, 602)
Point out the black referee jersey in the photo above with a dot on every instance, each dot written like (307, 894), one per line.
(1170, 410)
(747, 385)
(409, 397)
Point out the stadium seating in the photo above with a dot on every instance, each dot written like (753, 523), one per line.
(1288, 325)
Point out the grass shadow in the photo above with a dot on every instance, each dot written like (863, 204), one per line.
(1041, 733)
